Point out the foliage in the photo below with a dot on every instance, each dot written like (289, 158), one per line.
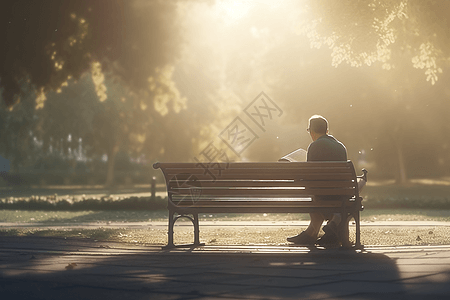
(16, 126)
(397, 115)
(48, 42)
(368, 32)
(128, 47)
(67, 117)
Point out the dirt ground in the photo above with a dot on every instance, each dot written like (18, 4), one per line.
(240, 235)
(392, 236)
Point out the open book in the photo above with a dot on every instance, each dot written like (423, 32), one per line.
(297, 155)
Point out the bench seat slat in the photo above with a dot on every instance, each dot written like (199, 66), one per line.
(256, 209)
(288, 172)
(264, 193)
(263, 183)
(238, 204)
(262, 176)
(250, 165)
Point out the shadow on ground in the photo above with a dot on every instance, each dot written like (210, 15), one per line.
(50, 268)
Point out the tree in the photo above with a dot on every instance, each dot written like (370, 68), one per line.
(379, 32)
(117, 124)
(48, 42)
(16, 129)
(396, 36)
(121, 121)
(75, 114)
(126, 46)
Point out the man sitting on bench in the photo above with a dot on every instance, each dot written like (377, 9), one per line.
(323, 148)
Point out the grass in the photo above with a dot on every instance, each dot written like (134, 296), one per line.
(421, 196)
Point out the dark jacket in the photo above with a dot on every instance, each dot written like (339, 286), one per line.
(326, 148)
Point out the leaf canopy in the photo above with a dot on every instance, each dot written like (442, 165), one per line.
(48, 42)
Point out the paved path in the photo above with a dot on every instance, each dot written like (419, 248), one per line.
(58, 268)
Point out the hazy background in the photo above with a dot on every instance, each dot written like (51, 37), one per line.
(126, 84)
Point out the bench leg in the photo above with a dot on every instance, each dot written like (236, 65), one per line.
(345, 234)
(170, 243)
(358, 232)
(344, 231)
(195, 222)
(196, 231)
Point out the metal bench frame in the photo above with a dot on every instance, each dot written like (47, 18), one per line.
(280, 187)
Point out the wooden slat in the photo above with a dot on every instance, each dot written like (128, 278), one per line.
(287, 172)
(296, 165)
(313, 168)
(286, 209)
(241, 199)
(279, 176)
(263, 183)
(262, 204)
(266, 193)
(329, 183)
(249, 165)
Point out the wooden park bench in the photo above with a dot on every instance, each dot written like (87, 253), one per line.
(264, 187)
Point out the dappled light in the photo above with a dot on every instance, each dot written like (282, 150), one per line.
(98, 78)
(165, 91)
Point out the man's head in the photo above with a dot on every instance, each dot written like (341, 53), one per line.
(318, 126)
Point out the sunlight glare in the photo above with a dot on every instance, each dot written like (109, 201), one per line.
(226, 50)
(232, 11)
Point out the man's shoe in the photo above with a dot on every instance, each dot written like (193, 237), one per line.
(330, 238)
(303, 239)
(330, 228)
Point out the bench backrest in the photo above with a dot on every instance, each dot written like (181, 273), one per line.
(196, 182)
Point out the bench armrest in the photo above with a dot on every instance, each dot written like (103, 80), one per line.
(364, 176)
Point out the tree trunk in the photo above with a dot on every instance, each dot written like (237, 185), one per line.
(401, 177)
(110, 167)
(401, 174)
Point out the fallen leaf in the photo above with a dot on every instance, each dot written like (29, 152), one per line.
(71, 266)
